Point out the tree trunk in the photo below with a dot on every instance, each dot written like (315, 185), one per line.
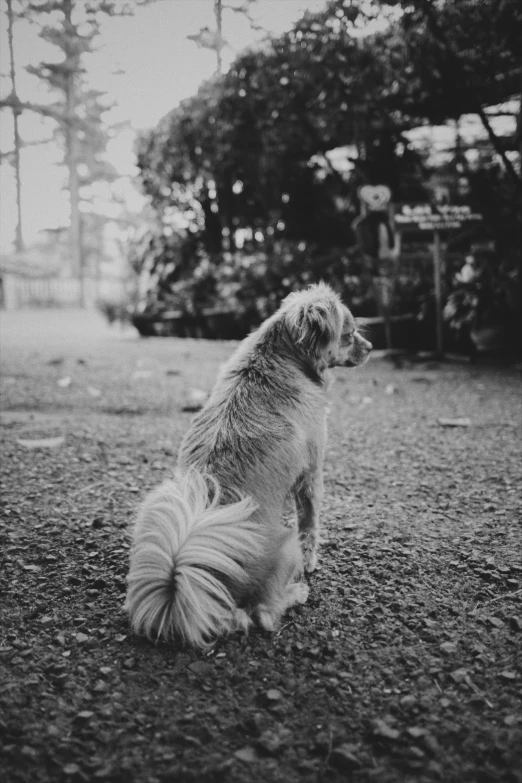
(75, 232)
(218, 10)
(19, 239)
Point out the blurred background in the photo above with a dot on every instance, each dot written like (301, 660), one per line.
(184, 164)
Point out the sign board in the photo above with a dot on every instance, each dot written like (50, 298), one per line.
(425, 217)
(435, 218)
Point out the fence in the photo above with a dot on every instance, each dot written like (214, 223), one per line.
(17, 291)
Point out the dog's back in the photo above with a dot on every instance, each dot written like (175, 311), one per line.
(262, 417)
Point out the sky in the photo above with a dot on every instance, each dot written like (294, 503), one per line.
(146, 64)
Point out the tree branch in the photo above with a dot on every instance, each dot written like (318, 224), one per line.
(19, 106)
(438, 34)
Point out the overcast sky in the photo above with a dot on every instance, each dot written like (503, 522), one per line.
(146, 63)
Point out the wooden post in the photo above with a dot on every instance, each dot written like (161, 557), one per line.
(437, 275)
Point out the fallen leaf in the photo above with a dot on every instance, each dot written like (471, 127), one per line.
(142, 375)
(42, 443)
(459, 422)
(416, 732)
(343, 758)
(247, 754)
(272, 742)
(448, 648)
(459, 675)
(84, 715)
(507, 675)
(274, 695)
(381, 729)
(196, 398)
(201, 667)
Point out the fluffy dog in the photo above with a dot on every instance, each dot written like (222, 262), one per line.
(210, 549)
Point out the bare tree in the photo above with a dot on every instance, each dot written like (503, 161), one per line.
(19, 239)
(213, 39)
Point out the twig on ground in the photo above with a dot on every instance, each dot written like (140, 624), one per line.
(504, 595)
(86, 489)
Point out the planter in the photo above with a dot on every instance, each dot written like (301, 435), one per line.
(209, 325)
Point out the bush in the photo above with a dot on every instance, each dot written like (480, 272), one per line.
(484, 301)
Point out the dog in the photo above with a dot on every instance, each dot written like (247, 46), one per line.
(210, 551)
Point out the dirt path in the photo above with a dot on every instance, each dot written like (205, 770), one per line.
(405, 665)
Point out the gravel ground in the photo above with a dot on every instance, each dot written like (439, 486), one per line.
(405, 664)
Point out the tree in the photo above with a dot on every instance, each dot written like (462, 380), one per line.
(257, 129)
(467, 57)
(242, 167)
(78, 111)
(19, 240)
(213, 39)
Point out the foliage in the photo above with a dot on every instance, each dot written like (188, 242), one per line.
(487, 291)
(460, 53)
(241, 171)
(181, 276)
(484, 296)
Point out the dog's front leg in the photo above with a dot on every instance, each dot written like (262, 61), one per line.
(308, 497)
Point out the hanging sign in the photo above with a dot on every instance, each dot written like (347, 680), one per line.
(375, 197)
(425, 217)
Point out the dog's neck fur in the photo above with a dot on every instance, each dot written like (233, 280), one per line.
(276, 334)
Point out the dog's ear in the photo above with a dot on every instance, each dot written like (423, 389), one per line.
(314, 323)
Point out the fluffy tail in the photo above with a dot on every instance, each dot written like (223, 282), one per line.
(186, 550)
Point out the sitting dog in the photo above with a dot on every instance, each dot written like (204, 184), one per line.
(210, 549)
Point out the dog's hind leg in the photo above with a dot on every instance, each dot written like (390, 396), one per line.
(269, 614)
(308, 496)
(241, 621)
(280, 590)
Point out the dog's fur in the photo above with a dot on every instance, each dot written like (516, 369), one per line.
(210, 549)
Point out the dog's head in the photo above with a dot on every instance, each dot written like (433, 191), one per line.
(324, 329)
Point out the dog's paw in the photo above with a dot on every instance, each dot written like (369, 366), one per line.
(267, 619)
(310, 561)
(298, 593)
(241, 621)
